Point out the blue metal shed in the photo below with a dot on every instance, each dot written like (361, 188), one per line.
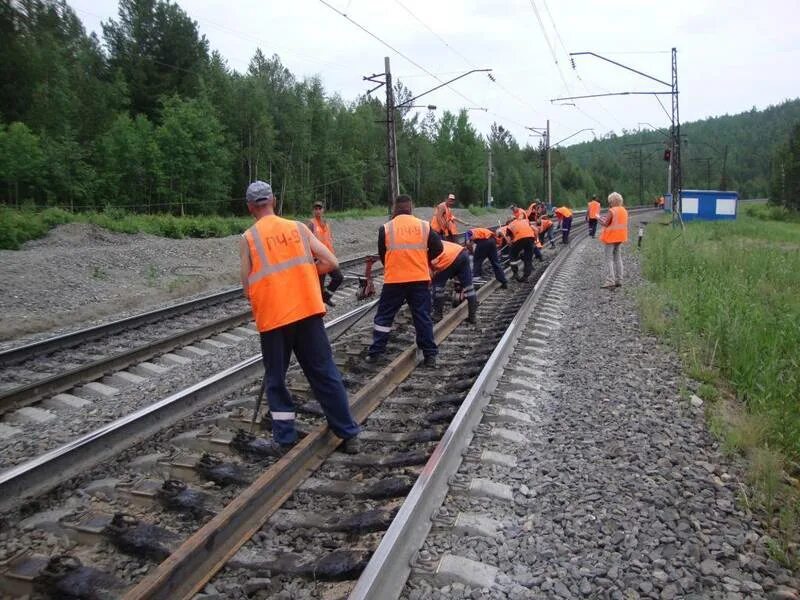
(709, 205)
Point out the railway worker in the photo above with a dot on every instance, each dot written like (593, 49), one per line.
(444, 221)
(564, 216)
(614, 234)
(592, 212)
(484, 246)
(453, 263)
(517, 212)
(533, 210)
(523, 243)
(545, 228)
(405, 244)
(281, 261)
(320, 228)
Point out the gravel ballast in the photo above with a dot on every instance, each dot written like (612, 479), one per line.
(619, 491)
(81, 274)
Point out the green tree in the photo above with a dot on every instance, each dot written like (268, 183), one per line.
(128, 160)
(194, 157)
(21, 158)
(158, 50)
(785, 172)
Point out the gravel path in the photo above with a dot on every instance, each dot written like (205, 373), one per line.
(82, 274)
(619, 492)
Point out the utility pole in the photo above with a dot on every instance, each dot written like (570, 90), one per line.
(391, 139)
(723, 184)
(549, 170)
(677, 176)
(489, 179)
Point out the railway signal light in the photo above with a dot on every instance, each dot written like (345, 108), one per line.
(667, 155)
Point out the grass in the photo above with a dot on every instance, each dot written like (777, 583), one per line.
(727, 296)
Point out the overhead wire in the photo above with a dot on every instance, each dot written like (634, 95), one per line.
(395, 50)
(493, 79)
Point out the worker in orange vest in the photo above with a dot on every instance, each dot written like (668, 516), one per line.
(614, 234)
(481, 241)
(517, 212)
(320, 228)
(453, 263)
(406, 244)
(281, 261)
(444, 221)
(523, 242)
(592, 212)
(545, 227)
(564, 216)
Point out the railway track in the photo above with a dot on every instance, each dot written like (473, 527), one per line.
(67, 385)
(403, 435)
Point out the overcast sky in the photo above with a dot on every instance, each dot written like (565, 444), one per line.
(732, 55)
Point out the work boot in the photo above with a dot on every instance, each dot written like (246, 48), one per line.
(371, 359)
(430, 362)
(472, 310)
(350, 446)
(503, 285)
(327, 298)
(438, 309)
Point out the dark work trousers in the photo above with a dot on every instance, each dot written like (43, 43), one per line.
(487, 249)
(335, 282)
(592, 227)
(526, 248)
(459, 270)
(566, 225)
(418, 296)
(547, 234)
(309, 342)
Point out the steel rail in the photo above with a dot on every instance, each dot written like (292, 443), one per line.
(199, 558)
(387, 571)
(33, 392)
(19, 354)
(56, 466)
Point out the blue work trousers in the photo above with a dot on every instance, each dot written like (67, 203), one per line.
(418, 296)
(487, 249)
(459, 270)
(308, 340)
(566, 225)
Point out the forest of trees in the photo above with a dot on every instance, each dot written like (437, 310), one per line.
(146, 118)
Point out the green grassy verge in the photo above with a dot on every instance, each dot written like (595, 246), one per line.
(727, 296)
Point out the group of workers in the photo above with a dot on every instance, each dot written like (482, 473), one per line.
(284, 265)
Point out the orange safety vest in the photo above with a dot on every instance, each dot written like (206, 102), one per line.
(283, 281)
(563, 212)
(448, 256)
(593, 209)
(406, 258)
(617, 229)
(481, 233)
(323, 232)
(519, 213)
(521, 229)
(546, 224)
(443, 222)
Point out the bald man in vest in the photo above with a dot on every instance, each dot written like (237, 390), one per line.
(405, 244)
(281, 261)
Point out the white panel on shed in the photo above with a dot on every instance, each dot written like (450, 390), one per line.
(690, 206)
(726, 206)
